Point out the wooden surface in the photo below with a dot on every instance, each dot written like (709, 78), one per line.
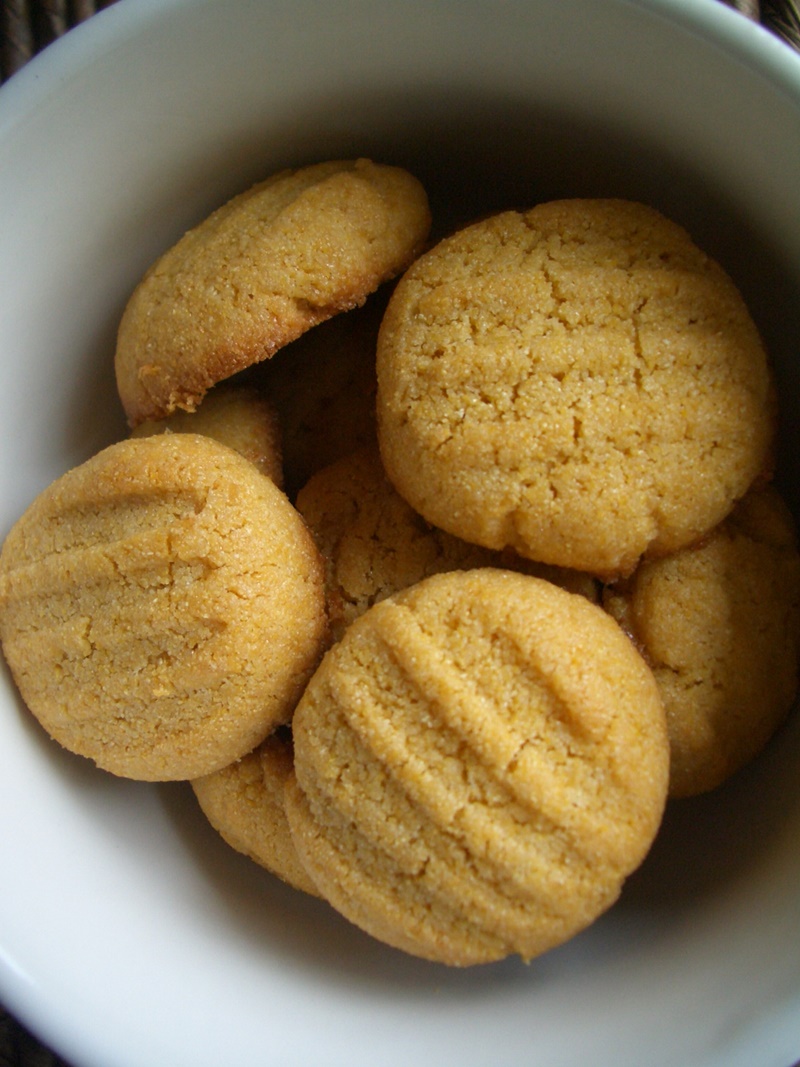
(27, 27)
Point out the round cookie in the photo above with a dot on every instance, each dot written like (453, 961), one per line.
(276, 260)
(719, 624)
(237, 416)
(244, 804)
(479, 764)
(578, 382)
(161, 607)
(374, 544)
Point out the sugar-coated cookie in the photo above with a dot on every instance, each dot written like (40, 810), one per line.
(719, 624)
(244, 803)
(161, 607)
(237, 416)
(578, 382)
(479, 764)
(285, 255)
(374, 544)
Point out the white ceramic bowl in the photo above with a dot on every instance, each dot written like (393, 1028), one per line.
(130, 935)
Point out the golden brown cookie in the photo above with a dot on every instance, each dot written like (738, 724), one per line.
(719, 624)
(374, 544)
(578, 382)
(480, 762)
(237, 416)
(161, 607)
(244, 804)
(285, 255)
(323, 387)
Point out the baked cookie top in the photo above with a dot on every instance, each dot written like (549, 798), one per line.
(479, 763)
(719, 624)
(279, 258)
(374, 544)
(578, 382)
(239, 417)
(244, 803)
(161, 607)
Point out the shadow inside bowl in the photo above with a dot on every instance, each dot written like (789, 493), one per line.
(708, 842)
(279, 920)
(705, 845)
(474, 156)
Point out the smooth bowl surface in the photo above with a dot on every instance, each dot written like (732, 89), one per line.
(130, 935)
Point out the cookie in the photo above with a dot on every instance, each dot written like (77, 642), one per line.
(261, 270)
(719, 624)
(239, 417)
(244, 804)
(323, 388)
(161, 607)
(374, 544)
(479, 764)
(578, 382)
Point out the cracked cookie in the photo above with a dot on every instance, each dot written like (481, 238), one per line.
(374, 544)
(480, 762)
(161, 607)
(719, 625)
(578, 382)
(261, 270)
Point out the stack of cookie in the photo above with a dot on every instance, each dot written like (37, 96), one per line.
(436, 568)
